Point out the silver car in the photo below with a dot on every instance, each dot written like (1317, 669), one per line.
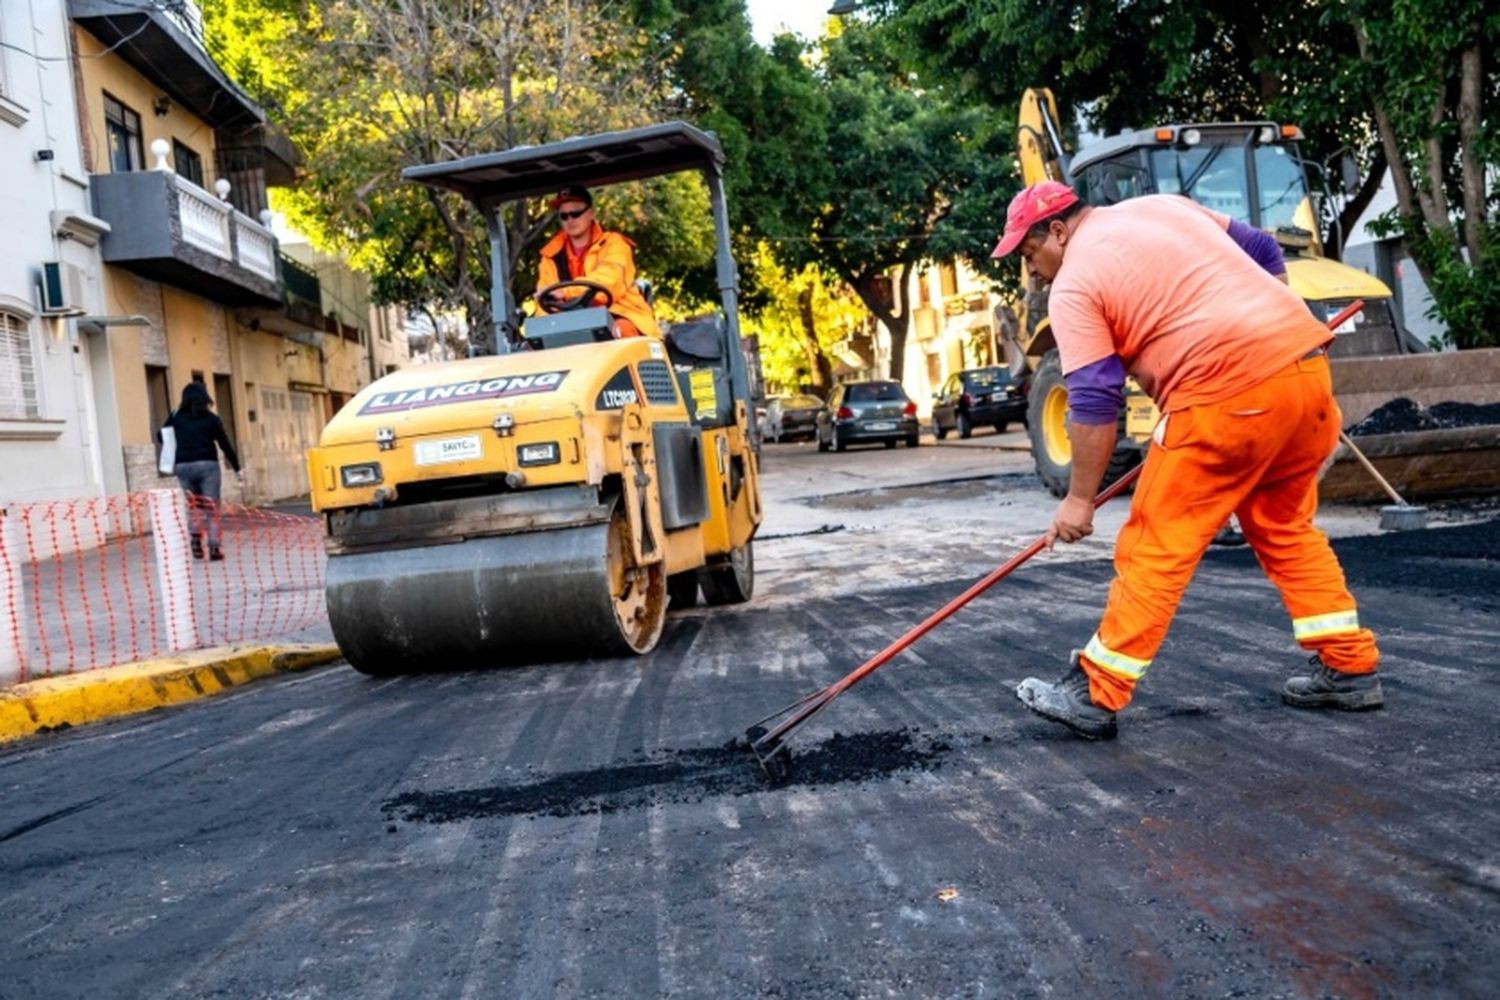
(868, 413)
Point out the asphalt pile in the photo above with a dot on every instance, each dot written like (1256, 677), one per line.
(1401, 416)
(677, 776)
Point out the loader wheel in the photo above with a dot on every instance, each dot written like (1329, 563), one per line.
(682, 591)
(1047, 423)
(638, 594)
(731, 582)
(1047, 426)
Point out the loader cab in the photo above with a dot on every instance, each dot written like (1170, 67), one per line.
(1248, 171)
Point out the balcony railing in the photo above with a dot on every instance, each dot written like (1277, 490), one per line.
(165, 227)
(257, 247)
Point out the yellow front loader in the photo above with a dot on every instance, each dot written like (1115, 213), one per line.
(551, 500)
(1250, 171)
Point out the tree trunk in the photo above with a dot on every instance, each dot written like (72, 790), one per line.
(817, 360)
(1413, 219)
(1333, 246)
(894, 314)
(1470, 113)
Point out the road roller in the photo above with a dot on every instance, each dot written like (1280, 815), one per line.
(553, 499)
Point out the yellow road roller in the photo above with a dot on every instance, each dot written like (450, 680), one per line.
(549, 501)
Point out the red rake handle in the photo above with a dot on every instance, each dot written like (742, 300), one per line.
(819, 700)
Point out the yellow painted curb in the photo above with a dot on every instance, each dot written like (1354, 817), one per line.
(75, 699)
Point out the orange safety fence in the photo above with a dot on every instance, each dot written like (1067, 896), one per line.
(101, 581)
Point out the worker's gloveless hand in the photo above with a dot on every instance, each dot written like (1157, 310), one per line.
(1074, 520)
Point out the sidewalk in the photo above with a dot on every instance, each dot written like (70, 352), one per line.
(108, 630)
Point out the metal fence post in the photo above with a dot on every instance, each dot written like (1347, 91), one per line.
(12, 598)
(169, 538)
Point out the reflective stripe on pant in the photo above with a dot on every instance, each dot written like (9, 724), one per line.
(1256, 455)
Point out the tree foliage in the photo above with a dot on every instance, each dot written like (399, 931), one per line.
(1408, 86)
(801, 321)
(369, 87)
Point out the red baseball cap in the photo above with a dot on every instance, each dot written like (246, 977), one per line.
(1042, 200)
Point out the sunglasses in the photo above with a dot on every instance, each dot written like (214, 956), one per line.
(572, 215)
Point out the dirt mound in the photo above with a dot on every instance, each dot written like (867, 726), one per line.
(1401, 416)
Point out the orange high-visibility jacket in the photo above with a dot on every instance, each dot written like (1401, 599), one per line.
(609, 261)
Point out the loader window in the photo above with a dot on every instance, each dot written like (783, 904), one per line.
(1213, 174)
(1282, 186)
(1114, 181)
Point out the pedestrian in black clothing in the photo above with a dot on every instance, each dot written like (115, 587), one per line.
(199, 431)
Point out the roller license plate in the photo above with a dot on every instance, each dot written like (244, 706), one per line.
(460, 449)
(881, 425)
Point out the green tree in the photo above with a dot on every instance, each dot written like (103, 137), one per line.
(1403, 86)
(1433, 96)
(916, 176)
(369, 87)
(802, 318)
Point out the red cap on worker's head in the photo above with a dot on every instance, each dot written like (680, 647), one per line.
(573, 192)
(1042, 200)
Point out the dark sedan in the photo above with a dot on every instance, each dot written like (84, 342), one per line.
(975, 397)
(789, 417)
(868, 413)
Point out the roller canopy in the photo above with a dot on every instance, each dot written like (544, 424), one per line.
(592, 161)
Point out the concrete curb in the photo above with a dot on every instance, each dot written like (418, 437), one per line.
(72, 700)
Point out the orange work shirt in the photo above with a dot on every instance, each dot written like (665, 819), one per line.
(1158, 281)
(609, 260)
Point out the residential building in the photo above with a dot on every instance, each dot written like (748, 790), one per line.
(953, 326)
(53, 372)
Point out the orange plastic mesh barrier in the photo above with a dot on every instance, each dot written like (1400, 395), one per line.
(95, 582)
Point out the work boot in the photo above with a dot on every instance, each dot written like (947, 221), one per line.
(1329, 688)
(196, 544)
(1067, 701)
(215, 554)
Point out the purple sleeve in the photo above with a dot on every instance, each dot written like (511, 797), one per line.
(1097, 391)
(1261, 246)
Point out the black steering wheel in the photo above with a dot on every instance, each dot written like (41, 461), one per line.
(550, 303)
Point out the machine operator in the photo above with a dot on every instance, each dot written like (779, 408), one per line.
(583, 249)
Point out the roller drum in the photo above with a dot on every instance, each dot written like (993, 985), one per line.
(521, 598)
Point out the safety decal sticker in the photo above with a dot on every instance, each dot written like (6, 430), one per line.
(464, 392)
(705, 398)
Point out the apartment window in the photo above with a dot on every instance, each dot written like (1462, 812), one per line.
(158, 395)
(18, 398)
(122, 128)
(188, 164)
(948, 275)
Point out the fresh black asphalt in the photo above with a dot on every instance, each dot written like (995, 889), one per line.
(590, 830)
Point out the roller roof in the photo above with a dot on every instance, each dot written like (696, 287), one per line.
(592, 161)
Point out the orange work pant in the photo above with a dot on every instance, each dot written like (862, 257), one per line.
(1256, 455)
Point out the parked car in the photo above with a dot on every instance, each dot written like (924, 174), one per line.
(975, 397)
(789, 417)
(868, 413)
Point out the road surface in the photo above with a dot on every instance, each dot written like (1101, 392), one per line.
(585, 830)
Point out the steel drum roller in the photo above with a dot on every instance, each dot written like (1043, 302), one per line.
(521, 598)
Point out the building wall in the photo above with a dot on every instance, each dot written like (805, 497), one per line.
(55, 452)
(101, 71)
(952, 328)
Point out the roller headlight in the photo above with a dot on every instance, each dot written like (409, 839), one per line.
(367, 474)
(538, 454)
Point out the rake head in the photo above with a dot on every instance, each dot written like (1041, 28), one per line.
(771, 753)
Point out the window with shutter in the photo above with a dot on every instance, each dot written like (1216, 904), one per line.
(18, 397)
